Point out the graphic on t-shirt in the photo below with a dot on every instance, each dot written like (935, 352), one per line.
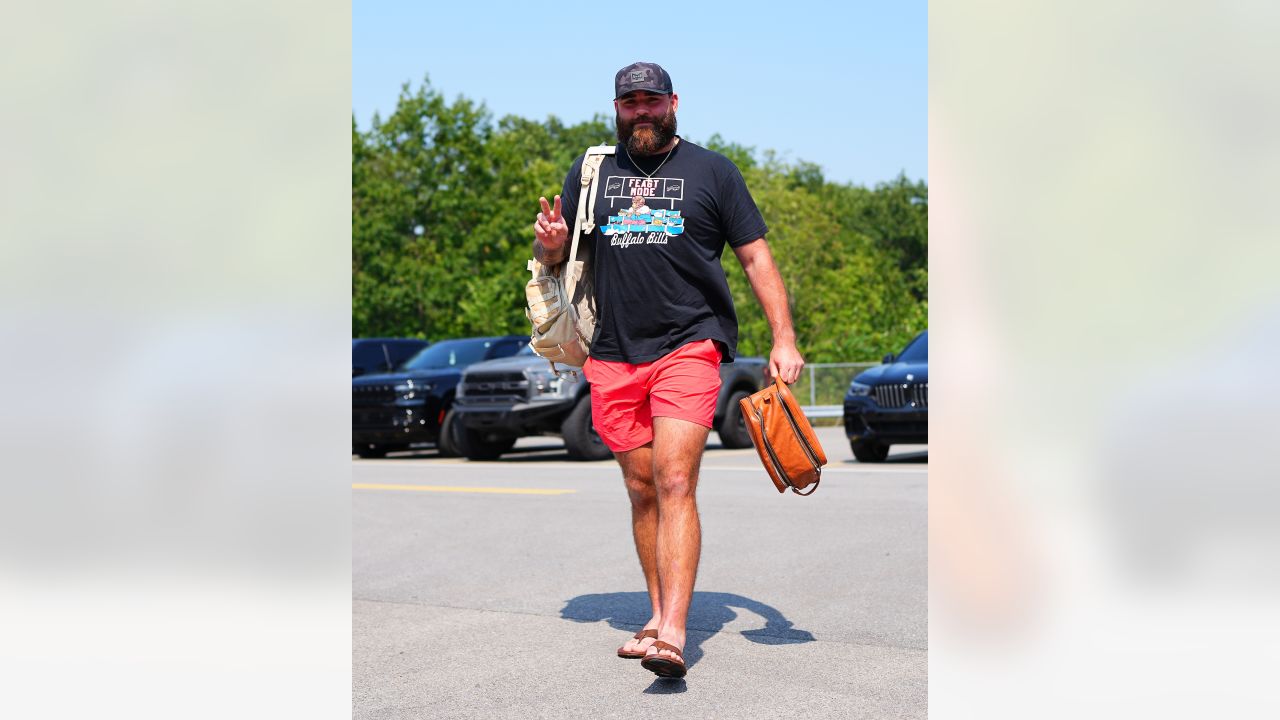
(648, 188)
(638, 207)
(639, 223)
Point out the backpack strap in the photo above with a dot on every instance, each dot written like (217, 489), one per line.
(585, 220)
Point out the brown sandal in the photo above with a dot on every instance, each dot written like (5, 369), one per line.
(664, 666)
(652, 633)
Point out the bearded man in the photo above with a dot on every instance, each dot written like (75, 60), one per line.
(665, 322)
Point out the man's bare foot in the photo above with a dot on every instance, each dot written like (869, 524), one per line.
(636, 648)
(665, 656)
(671, 637)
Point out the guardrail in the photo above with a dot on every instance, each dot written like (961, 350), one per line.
(823, 386)
(826, 383)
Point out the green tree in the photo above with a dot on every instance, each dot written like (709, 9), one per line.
(443, 200)
(895, 215)
(848, 299)
(470, 189)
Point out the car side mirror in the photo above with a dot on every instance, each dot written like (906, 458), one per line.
(887, 359)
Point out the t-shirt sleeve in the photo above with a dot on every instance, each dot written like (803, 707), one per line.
(740, 219)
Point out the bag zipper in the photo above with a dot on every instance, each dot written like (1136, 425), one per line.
(804, 443)
(777, 465)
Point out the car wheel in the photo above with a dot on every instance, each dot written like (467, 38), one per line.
(869, 452)
(447, 443)
(371, 451)
(481, 444)
(733, 427)
(580, 436)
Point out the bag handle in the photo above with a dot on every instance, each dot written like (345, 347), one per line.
(812, 487)
(584, 219)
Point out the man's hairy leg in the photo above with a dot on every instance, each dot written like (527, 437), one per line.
(637, 474)
(677, 455)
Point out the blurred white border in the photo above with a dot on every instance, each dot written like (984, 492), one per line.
(175, 524)
(1103, 502)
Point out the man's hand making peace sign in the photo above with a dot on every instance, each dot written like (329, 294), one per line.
(551, 230)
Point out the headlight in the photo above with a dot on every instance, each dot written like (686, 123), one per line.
(545, 382)
(858, 388)
(408, 390)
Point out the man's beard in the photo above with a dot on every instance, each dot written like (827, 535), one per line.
(649, 140)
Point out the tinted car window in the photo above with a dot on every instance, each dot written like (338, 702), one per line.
(367, 354)
(917, 351)
(507, 348)
(448, 353)
(403, 350)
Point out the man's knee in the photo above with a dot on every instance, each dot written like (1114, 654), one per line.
(640, 486)
(676, 482)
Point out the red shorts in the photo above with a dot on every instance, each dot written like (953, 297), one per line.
(625, 398)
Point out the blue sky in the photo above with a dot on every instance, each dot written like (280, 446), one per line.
(844, 86)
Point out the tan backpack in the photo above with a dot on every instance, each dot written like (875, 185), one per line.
(561, 298)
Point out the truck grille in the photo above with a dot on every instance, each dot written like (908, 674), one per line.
(896, 395)
(373, 395)
(374, 418)
(491, 386)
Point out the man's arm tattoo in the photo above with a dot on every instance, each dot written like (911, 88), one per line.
(549, 257)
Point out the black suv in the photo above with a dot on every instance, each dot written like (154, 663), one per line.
(370, 355)
(389, 411)
(889, 404)
(503, 400)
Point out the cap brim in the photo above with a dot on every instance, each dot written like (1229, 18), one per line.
(647, 90)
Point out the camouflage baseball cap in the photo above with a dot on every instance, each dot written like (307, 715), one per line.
(641, 76)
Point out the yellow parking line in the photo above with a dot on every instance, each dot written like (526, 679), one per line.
(448, 488)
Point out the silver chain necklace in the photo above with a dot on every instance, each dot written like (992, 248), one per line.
(655, 170)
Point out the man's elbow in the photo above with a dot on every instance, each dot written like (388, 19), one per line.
(754, 255)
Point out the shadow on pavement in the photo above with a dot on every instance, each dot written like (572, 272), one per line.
(666, 686)
(708, 613)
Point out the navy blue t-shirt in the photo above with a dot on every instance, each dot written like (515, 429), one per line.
(658, 241)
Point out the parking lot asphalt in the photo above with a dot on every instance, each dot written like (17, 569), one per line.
(502, 589)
